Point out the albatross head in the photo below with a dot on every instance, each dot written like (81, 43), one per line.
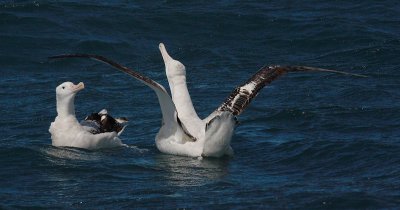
(172, 66)
(65, 97)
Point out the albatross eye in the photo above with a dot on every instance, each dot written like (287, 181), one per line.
(63, 87)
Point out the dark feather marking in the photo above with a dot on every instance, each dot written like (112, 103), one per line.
(185, 130)
(240, 98)
(108, 124)
(211, 121)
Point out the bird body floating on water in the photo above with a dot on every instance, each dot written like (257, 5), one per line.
(182, 132)
(98, 130)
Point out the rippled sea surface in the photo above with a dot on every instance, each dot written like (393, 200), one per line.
(309, 140)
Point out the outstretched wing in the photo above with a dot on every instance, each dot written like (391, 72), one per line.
(168, 109)
(241, 97)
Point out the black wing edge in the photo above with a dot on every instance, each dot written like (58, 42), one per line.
(241, 97)
(113, 64)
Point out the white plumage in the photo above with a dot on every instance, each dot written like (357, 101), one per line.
(66, 131)
(182, 132)
(212, 135)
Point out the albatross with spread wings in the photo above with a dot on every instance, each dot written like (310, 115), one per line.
(182, 132)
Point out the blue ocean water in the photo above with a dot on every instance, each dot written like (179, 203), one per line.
(308, 141)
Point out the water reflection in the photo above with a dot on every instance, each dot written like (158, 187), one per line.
(72, 153)
(188, 171)
(58, 155)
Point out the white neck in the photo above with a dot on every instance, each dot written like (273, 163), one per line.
(65, 106)
(181, 97)
(176, 75)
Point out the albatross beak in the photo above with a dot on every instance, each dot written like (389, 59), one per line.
(78, 87)
(164, 53)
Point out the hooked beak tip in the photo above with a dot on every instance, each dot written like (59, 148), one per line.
(82, 85)
(79, 87)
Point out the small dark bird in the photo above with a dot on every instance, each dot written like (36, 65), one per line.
(103, 122)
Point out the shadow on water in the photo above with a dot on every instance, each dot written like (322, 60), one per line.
(189, 171)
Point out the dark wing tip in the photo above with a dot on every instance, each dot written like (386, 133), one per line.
(146, 80)
(79, 55)
(307, 68)
(241, 97)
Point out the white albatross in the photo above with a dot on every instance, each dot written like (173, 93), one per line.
(99, 130)
(182, 132)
